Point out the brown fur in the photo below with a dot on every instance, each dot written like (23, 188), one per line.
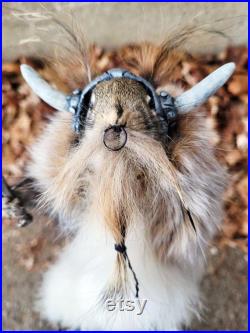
(154, 178)
(119, 191)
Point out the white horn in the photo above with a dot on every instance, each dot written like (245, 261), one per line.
(203, 90)
(48, 94)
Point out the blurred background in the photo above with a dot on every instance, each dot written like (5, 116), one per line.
(28, 34)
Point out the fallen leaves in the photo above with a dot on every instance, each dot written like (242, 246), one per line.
(238, 85)
(22, 117)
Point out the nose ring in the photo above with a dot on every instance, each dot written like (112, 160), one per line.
(115, 137)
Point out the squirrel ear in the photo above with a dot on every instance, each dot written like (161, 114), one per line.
(47, 93)
(200, 93)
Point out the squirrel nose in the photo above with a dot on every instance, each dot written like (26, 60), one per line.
(115, 137)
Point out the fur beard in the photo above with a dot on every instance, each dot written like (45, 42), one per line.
(144, 189)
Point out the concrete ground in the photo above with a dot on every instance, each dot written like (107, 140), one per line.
(120, 23)
(28, 252)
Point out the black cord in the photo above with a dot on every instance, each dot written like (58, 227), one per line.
(121, 248)
(191, 219)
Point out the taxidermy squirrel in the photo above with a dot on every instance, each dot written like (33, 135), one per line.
(126, 164)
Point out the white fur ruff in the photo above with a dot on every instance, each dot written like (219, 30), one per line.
(70, 294)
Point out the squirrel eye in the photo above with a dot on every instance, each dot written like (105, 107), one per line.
(92, 100)
(148, 99)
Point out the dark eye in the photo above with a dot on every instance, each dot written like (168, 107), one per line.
(89, 101)
(150, 101)
(92, 101)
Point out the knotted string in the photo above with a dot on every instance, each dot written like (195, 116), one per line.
(121, 248)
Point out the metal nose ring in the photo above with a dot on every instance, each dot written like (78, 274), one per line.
(115, 137)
